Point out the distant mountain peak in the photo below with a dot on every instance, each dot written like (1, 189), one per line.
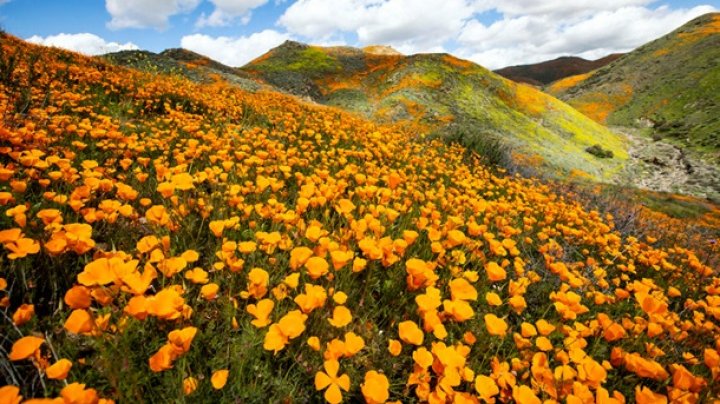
(543, 73)
(381, 50)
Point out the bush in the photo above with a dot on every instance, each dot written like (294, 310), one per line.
(597, 151)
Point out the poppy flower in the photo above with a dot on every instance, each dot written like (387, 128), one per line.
(345, 206)
(314, 343)
(486, 387)
(59, 370)
(495, 325)
(313, 298)
(341, 317)
(190, 384)
(247, 247)
(524, 394)
(166, 304)
(219, 378)
(495, 272)
(644, 395)
(353, 344)
(209, 291)
(375, 387)
(197, 275)
(22, 248)
(261, 311)
(77, 393)
(258, 280)
(289, 327)
(23, 314)
(163, 359)
(341, 258)
(410, 333)
(25, 347)
(298, 256)
(332, 382)
(422, 357)
(10, 394)
(316, 267)
(493, 299)
(339, 297)
(462, 289)
(79, 322)
(394, 347)
(182, 338)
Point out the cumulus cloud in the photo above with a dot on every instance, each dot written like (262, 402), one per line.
(534, 38)
(557, 8)
(144, 13)
(89, 44)
(234, 51)
(527, 31)
(404, 24)
(227, 11)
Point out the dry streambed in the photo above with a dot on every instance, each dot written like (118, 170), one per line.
(664, 167)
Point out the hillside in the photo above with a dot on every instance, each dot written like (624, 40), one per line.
(448, 96)
(165, 240)
(185, 63)
(669, 85)
(540, 74)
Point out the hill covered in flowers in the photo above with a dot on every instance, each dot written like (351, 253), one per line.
(669, 84)
(452, 97)
(165, 240)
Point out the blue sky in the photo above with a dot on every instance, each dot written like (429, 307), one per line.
(491, 32)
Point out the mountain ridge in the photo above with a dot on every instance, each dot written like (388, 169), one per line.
(546, 72)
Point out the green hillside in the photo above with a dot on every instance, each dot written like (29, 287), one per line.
(670, 84)
(446, 96)
(185, 63)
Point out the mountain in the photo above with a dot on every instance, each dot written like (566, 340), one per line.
(447, 96)
(543, 73)
(670, 85)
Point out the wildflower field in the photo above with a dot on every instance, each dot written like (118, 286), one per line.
(166, 241)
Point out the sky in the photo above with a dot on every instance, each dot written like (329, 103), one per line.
(492, 33)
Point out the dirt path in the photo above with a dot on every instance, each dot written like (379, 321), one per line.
(665, 167)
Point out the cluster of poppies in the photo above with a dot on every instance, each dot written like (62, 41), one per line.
(208, 235)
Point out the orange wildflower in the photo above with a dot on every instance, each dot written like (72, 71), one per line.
(25, 347)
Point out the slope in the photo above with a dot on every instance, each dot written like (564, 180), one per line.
(543, 73)
(188, 64)
(446, 95)
(670, 84)
(169, 241)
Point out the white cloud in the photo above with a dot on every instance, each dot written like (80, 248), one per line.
(145, 13)
(405, 24)
(234, 51)
(528, 30)
(226, 11)
(89, 44)
(534, 38)
(557, 8)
